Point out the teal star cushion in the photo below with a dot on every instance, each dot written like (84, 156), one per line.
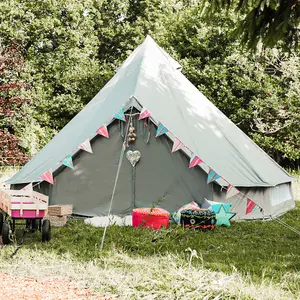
(223, 216)
(217, 206)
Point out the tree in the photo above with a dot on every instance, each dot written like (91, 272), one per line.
(276, 117)
(274, 22)
(59, 47)
(11, 63)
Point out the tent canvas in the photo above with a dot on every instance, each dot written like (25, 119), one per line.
(150, 79)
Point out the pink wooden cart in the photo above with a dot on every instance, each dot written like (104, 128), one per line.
(19, 205)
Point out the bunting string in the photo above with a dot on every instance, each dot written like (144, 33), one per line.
(144, 114)
(118, 115)
(231, 191)
(68, 162)
(212, 176)
(177, 145)
(216, 176)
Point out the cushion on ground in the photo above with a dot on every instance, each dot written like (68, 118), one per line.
(222, 211)
(197, 218)
(151, 218)
(177, 214)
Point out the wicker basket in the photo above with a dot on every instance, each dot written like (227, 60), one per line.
(57, 221)
(60, 210)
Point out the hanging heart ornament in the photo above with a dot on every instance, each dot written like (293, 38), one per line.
(133, 157)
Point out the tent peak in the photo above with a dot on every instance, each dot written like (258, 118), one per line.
(149, 54)
(149, 37)
(156, 52)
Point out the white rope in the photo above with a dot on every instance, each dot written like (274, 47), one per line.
(286, 225)
(279, 221)
(239, 195)
(116, 180)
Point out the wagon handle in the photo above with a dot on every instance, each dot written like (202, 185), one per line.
(21, 206)
(37, 207)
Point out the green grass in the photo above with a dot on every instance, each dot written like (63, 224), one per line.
(135, 277)
(256, 249)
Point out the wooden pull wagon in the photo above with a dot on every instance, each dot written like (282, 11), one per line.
(28, 206)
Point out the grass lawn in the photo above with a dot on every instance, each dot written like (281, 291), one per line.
(259, 249)
(249, 260)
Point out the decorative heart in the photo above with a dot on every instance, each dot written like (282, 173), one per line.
(133, 157)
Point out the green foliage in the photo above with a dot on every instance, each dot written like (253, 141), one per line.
(11, 103)
(71, 49)
(294, 172)
(273, 22)
(259, 249)
(60, 54)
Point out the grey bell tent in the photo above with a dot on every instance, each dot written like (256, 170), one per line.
(215, 159)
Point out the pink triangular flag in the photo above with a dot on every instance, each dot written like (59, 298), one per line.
(86, 146)
(144, 114)
(47, 176)
(103, 131)
(195, 160)
(177, 145)
(28, 188)
(231, 191)
(250, 206)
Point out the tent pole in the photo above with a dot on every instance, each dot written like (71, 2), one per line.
(116, 180)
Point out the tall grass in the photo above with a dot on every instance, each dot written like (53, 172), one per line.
(258, 249)
(135, 277)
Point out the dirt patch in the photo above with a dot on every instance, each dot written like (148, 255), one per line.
(15, 288)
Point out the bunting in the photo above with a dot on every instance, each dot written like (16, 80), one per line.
(212, 176)
(120, 115)
(161, 129)
(231, 191)
(68, 162)
(256, 207)
(194, 161)
(250, 206)
(177, 145)
(103, 131)
(223, 210)
(86, 146)
(144, 114)
(47, 176)
(28, 187)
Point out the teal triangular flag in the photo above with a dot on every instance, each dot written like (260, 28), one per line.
(161, 129)
(212, 176)
(120, 115)
(67, 161)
